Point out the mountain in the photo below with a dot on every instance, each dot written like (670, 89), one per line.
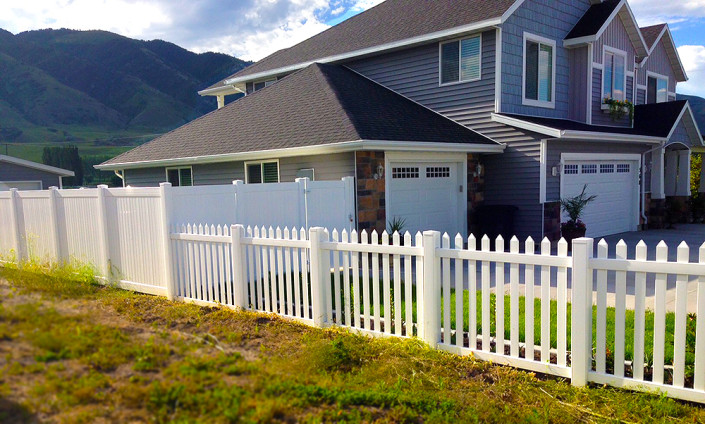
(65, 85)
(697, 104)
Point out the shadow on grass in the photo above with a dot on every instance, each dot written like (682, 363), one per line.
(12, 412)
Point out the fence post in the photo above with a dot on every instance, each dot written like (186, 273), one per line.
(104, 234)
(303, 202)
(431, 292)
(581, 312)
(54, 212)
(319, 277)
(238, 185)
(17, 226)
(349, 183)
(237, 232)
(165, 201)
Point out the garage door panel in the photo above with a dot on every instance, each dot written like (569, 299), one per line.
(615, 208)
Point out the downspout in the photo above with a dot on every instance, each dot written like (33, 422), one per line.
(643, 181)
(121, 176)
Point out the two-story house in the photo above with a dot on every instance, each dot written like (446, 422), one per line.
(438, 108)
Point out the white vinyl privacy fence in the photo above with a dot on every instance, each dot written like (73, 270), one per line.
(518, 304)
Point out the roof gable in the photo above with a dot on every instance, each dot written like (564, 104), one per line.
(598, 18)
(661, 34)
(317, 106)
(389, 25)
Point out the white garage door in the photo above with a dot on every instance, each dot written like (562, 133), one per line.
(427, 196)
(616, 185)
(20, 185)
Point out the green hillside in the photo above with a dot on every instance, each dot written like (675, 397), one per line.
(100, 91)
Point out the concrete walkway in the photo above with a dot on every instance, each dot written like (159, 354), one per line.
(692, 234)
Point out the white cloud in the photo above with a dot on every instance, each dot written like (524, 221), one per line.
(693, 58)
(650, 12)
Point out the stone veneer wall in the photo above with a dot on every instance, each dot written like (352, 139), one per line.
(656, 211)
(476, 189)
(552, 220)
(371, 213)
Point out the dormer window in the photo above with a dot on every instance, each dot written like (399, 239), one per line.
(461, 60)
(656, 88)
(539, 71)
(614, 76)
(260, 85)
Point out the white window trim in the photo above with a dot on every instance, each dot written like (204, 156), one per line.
(657, 76)
(267, 83)
(460, 65)
(171, 168)
(539, 103)
(261, 163)
(616, 52)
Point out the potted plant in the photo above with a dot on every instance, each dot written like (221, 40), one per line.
(574, 207)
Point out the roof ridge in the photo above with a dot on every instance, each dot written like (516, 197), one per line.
(336, 96)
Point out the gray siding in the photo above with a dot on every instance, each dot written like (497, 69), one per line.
(414, 73)
(578, 59)
(552, 19)
(13, 172)
(659, 63)
(615, 36)
(680, 135)
(557, 147)
(600, 117)
(512, 178)
(640, 96)
(326, 168)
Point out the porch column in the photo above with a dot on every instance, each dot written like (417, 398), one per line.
(657, 177)
(683, 186)
(221, 101)
(671, 176)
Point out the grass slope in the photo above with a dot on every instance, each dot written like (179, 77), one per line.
(74, 351)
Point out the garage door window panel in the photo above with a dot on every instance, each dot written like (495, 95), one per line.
(405, 173)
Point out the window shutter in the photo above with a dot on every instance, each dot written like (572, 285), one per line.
(470, 58)
(271, 172)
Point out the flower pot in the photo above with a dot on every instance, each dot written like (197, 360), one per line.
(570, 234)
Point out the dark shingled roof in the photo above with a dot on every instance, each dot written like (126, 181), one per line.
(654, 120)
(593, 19)
(390, 21)
(318, 105)
(650, 34)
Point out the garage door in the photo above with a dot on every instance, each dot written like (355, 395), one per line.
(426, 195)
(616, 185)
(20, 185)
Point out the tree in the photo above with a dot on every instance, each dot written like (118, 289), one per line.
(65, 157)
(696, 164)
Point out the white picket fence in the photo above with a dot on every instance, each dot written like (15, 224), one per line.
(516, 306)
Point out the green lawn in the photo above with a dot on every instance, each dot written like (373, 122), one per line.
(74, 351)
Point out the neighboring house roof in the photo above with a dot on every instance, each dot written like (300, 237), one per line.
(652, 123)
(655, 34)
(651, 34)
(391, 24)
(319, 106)
(596, 20)
(38, 166)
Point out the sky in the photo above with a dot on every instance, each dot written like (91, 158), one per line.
(253, 29)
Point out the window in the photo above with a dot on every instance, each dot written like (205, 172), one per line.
(657, 89)
(607, 168)
(570, 170)
(260, 85)
(614, 78)
(539, 71)
(438, 172)
(179, 177)
(405, 173)
(460, 60)
(306, 173)
(262, 172)
(588, 169)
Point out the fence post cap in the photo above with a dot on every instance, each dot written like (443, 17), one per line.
(161, 185)
(105, 186)
(238, 182)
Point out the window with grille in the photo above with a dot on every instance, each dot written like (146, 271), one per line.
(623, 168)
(571, 170)
(405, 172)
(607, 168)
(262, 172)
(589, 169)
(437, 172)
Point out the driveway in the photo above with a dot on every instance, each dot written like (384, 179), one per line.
(692, 234)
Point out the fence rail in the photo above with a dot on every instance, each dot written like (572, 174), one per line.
(519, 304)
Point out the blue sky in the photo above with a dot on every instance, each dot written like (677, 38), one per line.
(253, 29)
